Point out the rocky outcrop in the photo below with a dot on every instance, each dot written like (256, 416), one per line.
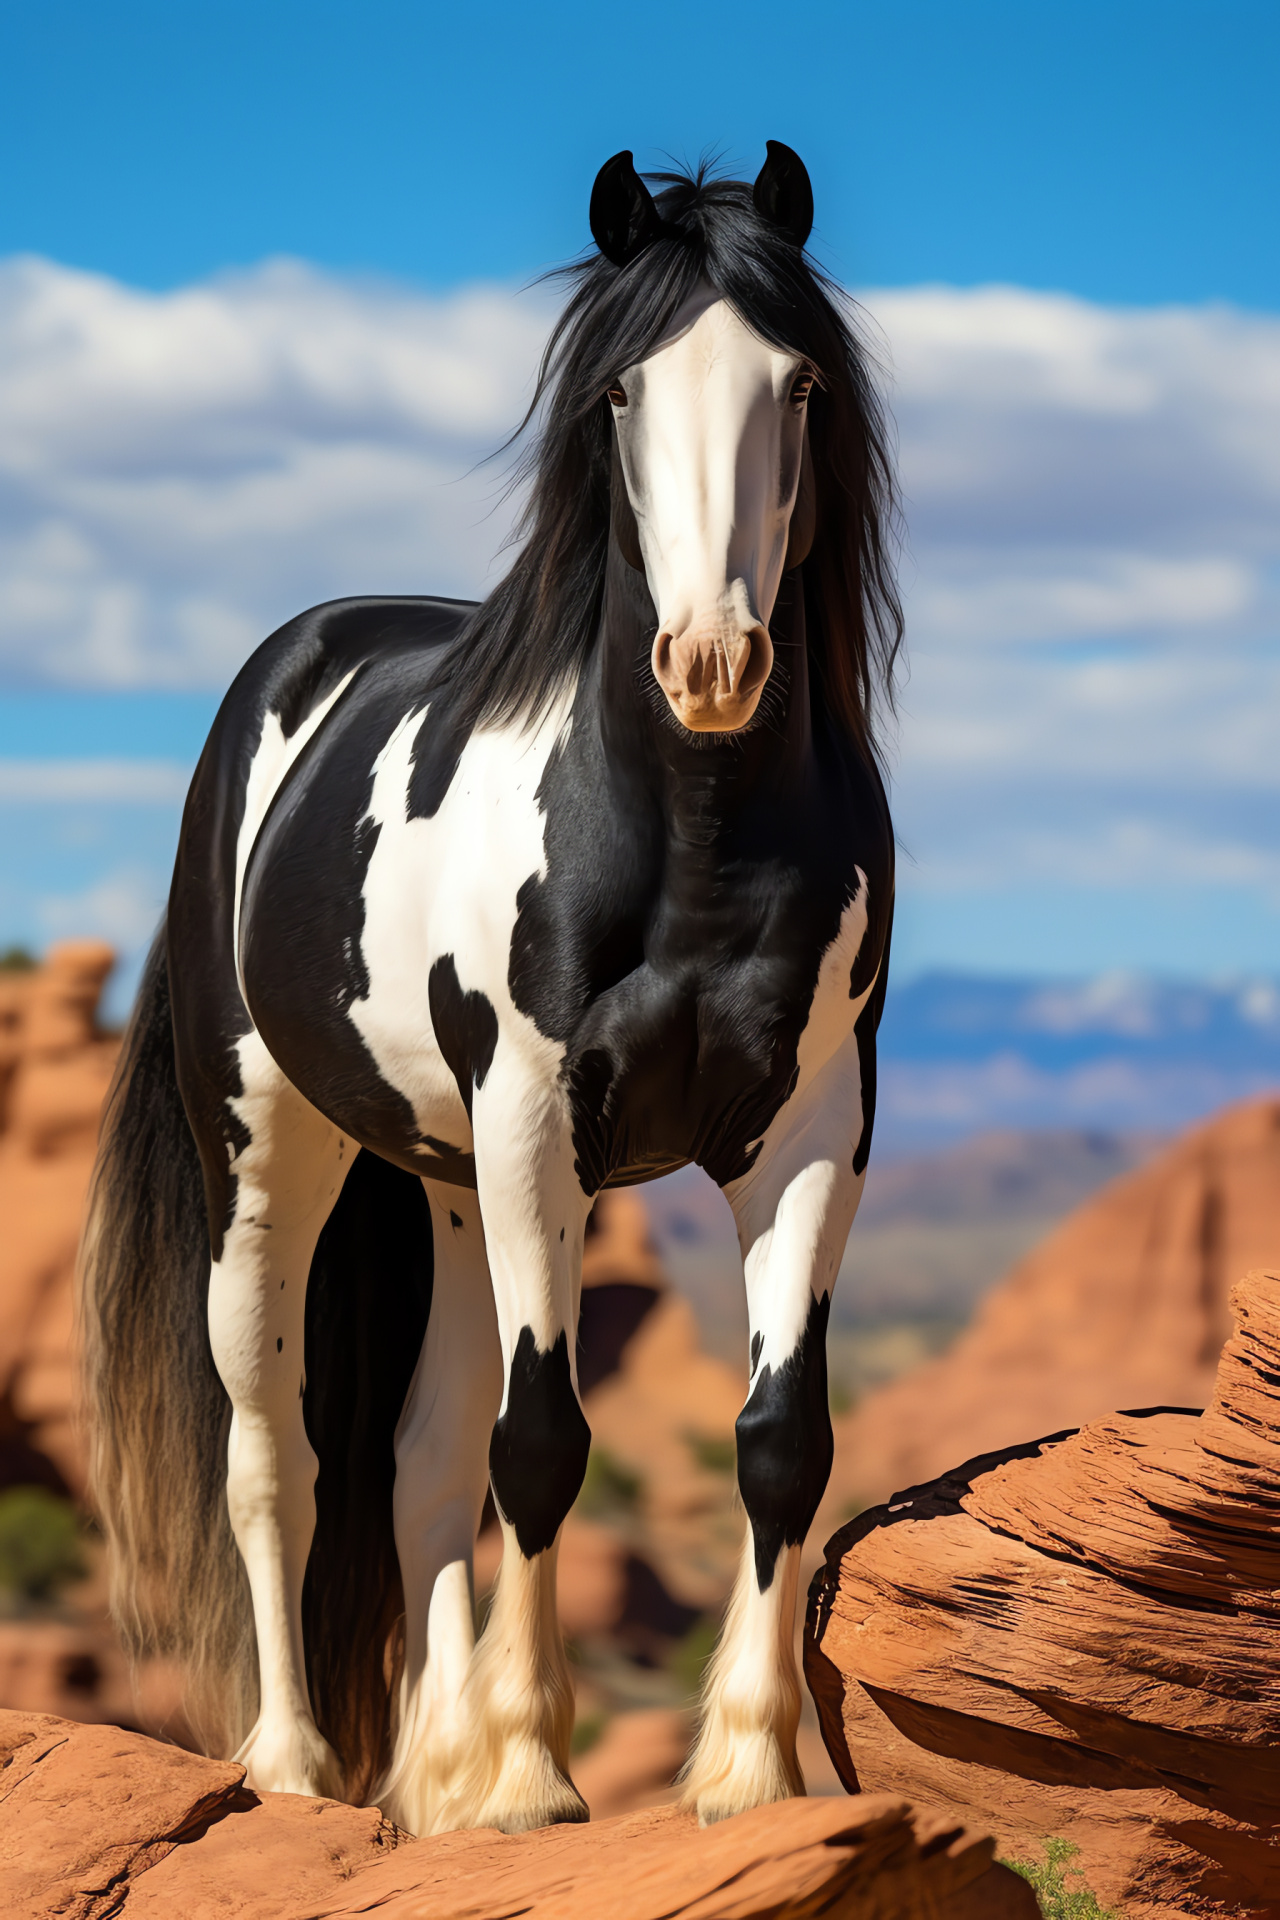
(55, 1068)
(1123, 1305)
(95, 1822)
(1080, 1637)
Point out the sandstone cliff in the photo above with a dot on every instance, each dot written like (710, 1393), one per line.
(1080, 1637)
(55, 1067)
(1123, 1305)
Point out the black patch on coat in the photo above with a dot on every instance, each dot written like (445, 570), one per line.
(538, 1453)
(865, 1030)
(437, 749)
(674, 940)
(368, 1303)
(466, 1027)
(785, 1445)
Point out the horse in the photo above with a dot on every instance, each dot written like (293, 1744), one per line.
(477, 910)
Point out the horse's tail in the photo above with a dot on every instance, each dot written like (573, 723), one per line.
(157, 1412)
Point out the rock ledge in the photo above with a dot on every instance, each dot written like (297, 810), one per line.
(1078, 1636)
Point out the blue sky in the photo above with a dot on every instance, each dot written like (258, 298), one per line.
(1063, 218)
(1123, 151)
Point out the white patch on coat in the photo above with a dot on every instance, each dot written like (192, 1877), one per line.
(708, 431)
(273, 756)
(449, 885)
(795, 1207)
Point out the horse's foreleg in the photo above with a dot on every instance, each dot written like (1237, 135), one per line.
(519, 1691)
(442, 1470)
(288, 1175)
(794, 1214)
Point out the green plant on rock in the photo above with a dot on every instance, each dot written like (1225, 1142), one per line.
(17, 960)
(608, 1487)
(713, 1451)
(588, 1731)
(1057, 1900)
(41, 1549)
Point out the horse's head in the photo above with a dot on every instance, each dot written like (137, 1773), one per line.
(705, 406)
(711, 439)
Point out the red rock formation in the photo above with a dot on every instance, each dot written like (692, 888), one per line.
(1123, 1305)
(94, 1822)
(634, 1762)
(54, 1071)
(1079, 1637)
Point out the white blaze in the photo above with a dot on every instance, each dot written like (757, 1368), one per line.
(711, 443)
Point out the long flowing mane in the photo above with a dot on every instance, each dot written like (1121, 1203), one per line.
(539, 624)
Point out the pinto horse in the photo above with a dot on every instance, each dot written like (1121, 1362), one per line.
(478, 910)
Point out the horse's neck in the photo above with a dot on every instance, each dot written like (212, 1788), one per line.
(703, 787)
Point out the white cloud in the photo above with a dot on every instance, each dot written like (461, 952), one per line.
(123, 907)
(180, 472)
(1073, 470)
(119, 782)
(1093, 499)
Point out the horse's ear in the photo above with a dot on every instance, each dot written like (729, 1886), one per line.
(623, 217)
(783, 193)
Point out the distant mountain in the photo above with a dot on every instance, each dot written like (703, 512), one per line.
(998, 1177)
(933, 1232)
(963, 1053)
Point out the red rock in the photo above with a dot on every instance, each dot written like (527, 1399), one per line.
(1123, 1305)
(634, 1763)
(1078, 1637)
(55, 1068)
(95, 1823)
(861, 1859)
(77, 1669)
(272, 1858)
(83, 1809)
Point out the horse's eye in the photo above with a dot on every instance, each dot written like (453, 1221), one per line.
(801, 388)
(617, 396)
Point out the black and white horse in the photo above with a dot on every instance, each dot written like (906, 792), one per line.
(478, 910)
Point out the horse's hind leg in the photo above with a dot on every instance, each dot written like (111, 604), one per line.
(442, 1471)
(287, 1174)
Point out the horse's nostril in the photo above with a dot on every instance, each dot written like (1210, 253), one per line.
(713, 671)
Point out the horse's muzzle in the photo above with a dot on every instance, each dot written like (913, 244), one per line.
(713, 673)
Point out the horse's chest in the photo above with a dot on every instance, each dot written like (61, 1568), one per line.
(693, 1055)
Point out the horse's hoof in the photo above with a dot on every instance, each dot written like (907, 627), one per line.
(291, 1758)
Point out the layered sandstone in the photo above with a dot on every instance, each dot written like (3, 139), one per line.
(94, 1822)
(1080, 1637)
(1125, 1304)
(55, 1067)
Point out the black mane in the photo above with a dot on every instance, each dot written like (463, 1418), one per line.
(539, 624)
